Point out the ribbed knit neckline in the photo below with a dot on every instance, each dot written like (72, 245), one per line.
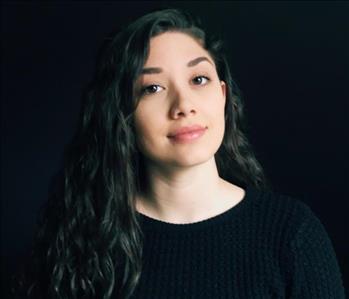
(154, 224)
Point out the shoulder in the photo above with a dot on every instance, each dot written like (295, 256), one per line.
(291, 213)
(301, 227)
(281, 202)
(305, 250)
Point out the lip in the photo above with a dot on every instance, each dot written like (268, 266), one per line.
(185, 130)
(187, 134)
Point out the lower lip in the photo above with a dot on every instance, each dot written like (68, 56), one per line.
(188, 137)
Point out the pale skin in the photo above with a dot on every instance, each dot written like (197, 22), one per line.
(184, 182)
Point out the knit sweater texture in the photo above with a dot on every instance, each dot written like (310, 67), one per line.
(267, 246)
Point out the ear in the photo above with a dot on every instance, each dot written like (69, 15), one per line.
(223, 86)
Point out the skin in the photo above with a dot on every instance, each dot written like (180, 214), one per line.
(184, 184)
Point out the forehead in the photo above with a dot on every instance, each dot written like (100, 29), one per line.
(171, 47)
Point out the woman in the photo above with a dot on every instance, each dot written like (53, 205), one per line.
(161, 195)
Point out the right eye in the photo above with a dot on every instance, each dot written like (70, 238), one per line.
(150, 89)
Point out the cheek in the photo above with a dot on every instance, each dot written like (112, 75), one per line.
(148, 128)
(216, 114)
(144, 130)
(215, 109)
(142, 119)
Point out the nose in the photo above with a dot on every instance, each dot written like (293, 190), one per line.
(182, 105)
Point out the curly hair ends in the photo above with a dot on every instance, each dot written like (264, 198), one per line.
(89, 241)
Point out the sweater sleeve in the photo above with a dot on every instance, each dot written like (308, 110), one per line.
(315, 270)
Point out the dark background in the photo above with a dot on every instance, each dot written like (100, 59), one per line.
(290, 59)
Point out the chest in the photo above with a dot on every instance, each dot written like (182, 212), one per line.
(215, 268)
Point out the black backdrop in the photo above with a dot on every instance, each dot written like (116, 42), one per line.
(291, 60)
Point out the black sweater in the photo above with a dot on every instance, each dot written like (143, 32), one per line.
(267, 246)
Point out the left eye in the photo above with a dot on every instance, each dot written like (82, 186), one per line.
(200, 80)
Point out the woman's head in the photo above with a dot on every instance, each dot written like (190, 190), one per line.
(89, 242)
(146, 42)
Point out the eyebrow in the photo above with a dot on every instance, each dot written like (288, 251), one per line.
(191, 63)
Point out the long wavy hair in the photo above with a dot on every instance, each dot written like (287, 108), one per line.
(89, 241)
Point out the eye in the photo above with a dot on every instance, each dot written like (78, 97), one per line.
(200, 79)
(150, 89)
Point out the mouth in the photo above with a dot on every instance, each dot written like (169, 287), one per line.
(186, 129)
(186, 135)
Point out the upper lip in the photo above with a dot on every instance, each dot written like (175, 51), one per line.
(186, 129)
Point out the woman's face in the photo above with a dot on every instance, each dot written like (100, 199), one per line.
(179, 87)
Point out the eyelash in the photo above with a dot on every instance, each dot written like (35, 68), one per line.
(144, 88)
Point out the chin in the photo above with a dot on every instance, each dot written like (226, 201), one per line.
(194, 158)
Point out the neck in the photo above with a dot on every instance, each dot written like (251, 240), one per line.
(184, 195)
